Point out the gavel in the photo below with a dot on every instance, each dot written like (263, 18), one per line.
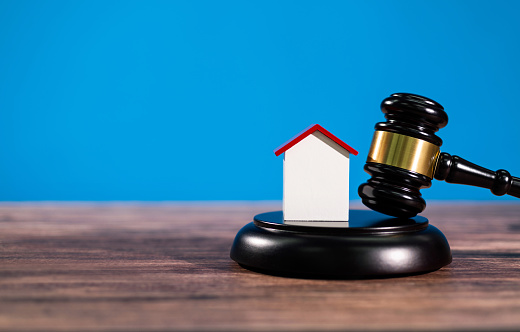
(405, 156)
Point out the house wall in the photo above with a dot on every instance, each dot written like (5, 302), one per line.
(316, 179)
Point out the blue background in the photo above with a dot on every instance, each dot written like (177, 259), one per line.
(186, 100)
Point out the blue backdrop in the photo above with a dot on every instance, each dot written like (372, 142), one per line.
(186, 100)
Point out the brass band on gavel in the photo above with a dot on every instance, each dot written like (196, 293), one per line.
(403, 151)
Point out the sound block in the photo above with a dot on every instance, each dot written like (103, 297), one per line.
(370, 245)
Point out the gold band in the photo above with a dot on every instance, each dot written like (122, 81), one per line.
(404, 151)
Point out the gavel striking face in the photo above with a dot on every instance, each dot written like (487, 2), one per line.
(405, 156)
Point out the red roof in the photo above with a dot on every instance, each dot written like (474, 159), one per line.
(306, 132)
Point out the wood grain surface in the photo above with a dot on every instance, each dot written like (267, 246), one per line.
(161, 267)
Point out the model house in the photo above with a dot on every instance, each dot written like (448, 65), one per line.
(315, 176)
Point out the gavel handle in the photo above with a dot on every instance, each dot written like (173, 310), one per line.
(454, 169)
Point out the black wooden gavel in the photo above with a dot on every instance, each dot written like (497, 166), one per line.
(405, 156)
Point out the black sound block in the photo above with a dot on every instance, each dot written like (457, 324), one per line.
(373, 245)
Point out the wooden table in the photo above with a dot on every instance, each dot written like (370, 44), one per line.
(159, 267)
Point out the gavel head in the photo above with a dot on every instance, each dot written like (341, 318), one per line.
(403, 155)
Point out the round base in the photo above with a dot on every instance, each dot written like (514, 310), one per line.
(370, 245)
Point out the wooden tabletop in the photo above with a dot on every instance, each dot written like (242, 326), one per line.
(161, 267)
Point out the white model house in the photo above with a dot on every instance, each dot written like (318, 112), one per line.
(315, 176)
